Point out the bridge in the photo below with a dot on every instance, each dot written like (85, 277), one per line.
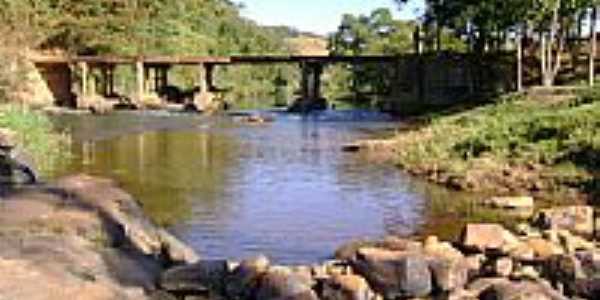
(152, 74)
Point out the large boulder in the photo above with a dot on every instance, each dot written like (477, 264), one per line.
(563, 269)
(520, 291)
(282, 283)
(347, 287)
(395, 274)
(484, 237)
(198, 278)
(119, 208)
(543, 249)
(449, 275)
(245, 278)
(577, 219)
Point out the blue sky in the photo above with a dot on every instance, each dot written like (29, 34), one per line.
(319, 16)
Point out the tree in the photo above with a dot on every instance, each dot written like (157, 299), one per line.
(484, 23)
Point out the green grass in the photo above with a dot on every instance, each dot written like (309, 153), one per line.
(554, 144)
(35, 134)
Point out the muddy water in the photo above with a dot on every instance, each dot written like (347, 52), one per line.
(232, 190)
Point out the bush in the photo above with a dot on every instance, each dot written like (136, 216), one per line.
(36, 135)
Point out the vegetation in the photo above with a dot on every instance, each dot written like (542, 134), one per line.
(35, 134)
(489, 25)
(516, 144)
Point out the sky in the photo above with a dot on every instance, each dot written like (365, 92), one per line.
(319, 16)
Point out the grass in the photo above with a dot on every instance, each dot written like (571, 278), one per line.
(512, 144)
(35, 134)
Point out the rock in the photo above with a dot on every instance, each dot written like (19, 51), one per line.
(480, 285)
(349, 250)
(474, 264)
(175, 250)
(433, 247)
(482, 237)
(198, 278)
(520, 290)
(587, 288)
(336, 267)
(244, 280)
(522, 253)
(511, 202)
(564, 269)
(503, 266)
(525, 273)
(542, 248)
(459, 295)
(577, 219)
(394, 273)
(127, 217)
(347, 287)
(572, 243)
(449, 275)
(281, 283)
(590, 262)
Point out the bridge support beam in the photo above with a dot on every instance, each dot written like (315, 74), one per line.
(204, 98)
(310, 88)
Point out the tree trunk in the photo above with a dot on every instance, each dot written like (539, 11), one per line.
(543, 53)
(556, 36)
(593, 46)
(520, 59)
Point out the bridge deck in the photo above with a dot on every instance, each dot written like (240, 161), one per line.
(214, 60)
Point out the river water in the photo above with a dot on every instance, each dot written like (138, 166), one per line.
(232, 190)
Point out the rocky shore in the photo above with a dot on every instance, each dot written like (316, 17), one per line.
(85, 238)
(549, 258)
(81, 238)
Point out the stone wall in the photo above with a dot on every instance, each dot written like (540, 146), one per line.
(21, 82)
(447, 79)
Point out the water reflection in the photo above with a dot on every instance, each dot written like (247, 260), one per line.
(230, 190)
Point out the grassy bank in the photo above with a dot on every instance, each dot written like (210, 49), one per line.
(35, 134)
(511, 146)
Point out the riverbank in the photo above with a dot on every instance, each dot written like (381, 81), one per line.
(84, 238)
(81, 238)
(516, 145)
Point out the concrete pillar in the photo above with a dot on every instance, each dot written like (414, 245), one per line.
(111, 80)
(140, 84)
(202, 83)
(84, 85)
(204, 98)
(209, 73)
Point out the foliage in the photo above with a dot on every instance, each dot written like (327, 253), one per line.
(486, 25)
(35, 133)
(375, 34)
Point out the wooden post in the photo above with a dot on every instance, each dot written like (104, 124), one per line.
(593, 47)
(519, 38)
(140, 84)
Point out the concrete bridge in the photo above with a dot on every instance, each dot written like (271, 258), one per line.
(152, 74)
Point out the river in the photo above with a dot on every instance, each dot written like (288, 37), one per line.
(232, 190)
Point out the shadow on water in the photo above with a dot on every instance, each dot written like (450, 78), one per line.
(283, 189)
